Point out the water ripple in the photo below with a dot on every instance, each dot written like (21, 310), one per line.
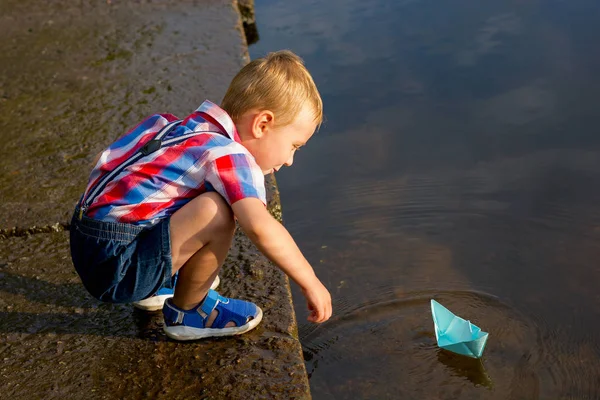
(397, 330)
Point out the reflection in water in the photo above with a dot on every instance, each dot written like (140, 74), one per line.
(466, 367)
(460, 159)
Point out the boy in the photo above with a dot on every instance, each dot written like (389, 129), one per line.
(160, 207)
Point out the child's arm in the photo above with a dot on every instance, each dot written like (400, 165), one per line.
(275, 242)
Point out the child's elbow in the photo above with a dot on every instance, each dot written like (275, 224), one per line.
(255, 221)
(256, 232)
(259, 231)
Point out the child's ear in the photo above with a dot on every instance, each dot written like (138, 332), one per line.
(262, 122)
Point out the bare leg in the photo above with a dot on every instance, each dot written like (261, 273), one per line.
(201, 235)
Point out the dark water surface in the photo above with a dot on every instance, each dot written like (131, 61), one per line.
(460, 161)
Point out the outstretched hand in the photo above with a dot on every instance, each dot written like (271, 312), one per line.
(318, 300)
(275, 242)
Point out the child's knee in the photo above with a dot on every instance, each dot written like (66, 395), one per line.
(225, 222)
(207, 217)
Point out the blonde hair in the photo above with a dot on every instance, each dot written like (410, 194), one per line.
(278, 82)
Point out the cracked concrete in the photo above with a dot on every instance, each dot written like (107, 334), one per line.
(74, 77)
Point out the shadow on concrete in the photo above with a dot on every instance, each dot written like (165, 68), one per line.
(68, 308)
(40, 291)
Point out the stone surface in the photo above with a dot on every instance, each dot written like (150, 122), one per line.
(77, 75)
(74, 76)
(56, 341)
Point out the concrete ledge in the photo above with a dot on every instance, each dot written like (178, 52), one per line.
(58, 342)
(74, 77)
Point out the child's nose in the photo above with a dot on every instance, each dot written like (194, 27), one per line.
(290, 161)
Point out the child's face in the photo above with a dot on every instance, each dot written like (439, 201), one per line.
(274, 146)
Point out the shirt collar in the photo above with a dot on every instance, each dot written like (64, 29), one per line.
(219, 117)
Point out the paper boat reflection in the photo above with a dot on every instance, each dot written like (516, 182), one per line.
(456, 334)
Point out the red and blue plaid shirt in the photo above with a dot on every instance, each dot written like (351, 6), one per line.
(160, 183)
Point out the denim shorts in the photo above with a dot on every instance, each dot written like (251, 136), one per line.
(121, 263)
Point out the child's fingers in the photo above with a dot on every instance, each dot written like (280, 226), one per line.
(324, 312)
(319, 315)
(319, 305)
(311, 314)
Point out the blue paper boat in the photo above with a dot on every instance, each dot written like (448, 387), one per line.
(456, 334)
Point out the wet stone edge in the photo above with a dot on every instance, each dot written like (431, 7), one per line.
(20, 232)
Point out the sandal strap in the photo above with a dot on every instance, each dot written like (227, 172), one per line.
(211, 301)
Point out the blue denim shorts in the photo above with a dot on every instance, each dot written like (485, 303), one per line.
(121, 263)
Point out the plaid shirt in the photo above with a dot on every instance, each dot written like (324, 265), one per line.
(160, 183)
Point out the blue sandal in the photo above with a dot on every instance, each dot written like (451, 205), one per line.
(190, 324)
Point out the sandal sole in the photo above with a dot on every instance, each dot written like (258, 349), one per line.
(181, 332)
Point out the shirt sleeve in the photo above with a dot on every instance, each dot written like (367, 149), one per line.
(236, 177)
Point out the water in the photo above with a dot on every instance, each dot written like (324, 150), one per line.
(460, 161)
